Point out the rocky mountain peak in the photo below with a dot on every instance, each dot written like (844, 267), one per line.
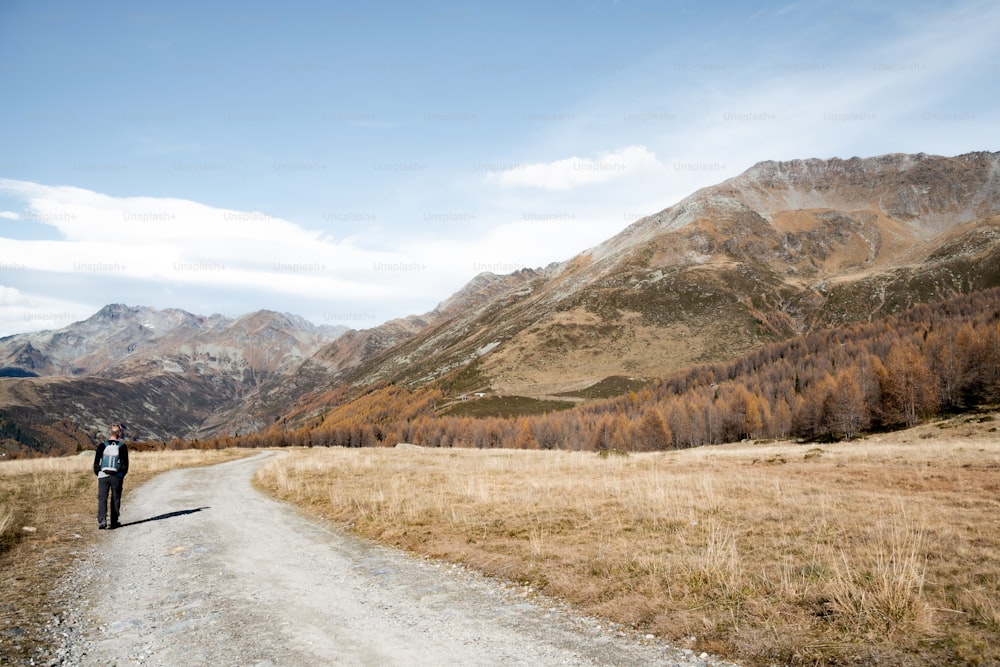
(112, 311)
(902, 186)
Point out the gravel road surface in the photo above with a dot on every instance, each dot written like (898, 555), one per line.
(206, 570)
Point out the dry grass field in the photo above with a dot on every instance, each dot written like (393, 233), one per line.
(48, 517)
(880, 551)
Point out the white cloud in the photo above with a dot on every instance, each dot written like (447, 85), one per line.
(575, 172)
(84, 215)
(24, 312)
(9, 215)
(166, 252)
(113, 248)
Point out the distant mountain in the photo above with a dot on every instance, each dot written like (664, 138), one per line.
(782, 249)
(358, 348)
(167, 373)
(98, 343)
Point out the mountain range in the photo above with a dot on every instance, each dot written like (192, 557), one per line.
(784, 248)
(166, 373)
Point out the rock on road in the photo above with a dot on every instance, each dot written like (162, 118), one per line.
(206, 570)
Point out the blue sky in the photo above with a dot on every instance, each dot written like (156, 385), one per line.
(355, 162)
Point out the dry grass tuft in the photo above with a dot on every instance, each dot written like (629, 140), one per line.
(875, 551)
(884, 590)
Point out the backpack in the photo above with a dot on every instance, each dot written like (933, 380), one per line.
(110, 461)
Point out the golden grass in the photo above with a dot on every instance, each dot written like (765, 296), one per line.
(885, 550)
(48, 516)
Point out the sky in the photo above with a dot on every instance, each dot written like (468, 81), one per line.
(354, 162)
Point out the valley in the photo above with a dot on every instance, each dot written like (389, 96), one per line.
(783, 250)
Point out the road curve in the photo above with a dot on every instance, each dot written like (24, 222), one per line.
(206, 570)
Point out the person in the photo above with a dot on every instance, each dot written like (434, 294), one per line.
(111, 466)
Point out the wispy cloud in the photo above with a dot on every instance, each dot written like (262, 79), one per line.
(28, 312)
(575, 172)
(111, 247)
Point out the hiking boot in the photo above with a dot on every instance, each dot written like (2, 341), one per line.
(102, 526)
(116, 525)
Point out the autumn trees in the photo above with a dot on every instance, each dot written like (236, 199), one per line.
(846, 408)
(909, 389)
(830, 384)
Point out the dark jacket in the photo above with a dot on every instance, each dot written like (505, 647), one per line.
(122, 455)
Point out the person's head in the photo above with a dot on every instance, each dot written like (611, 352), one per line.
(116, 431)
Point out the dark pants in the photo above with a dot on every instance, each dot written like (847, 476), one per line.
(106, 485)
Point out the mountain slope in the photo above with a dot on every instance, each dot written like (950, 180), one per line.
(784, 248)
(341, 358)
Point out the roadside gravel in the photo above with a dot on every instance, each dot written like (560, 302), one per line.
(206, 570)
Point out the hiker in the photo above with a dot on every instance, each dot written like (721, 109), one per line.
(110, 466)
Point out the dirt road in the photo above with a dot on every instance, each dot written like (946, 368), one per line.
(208, 571)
